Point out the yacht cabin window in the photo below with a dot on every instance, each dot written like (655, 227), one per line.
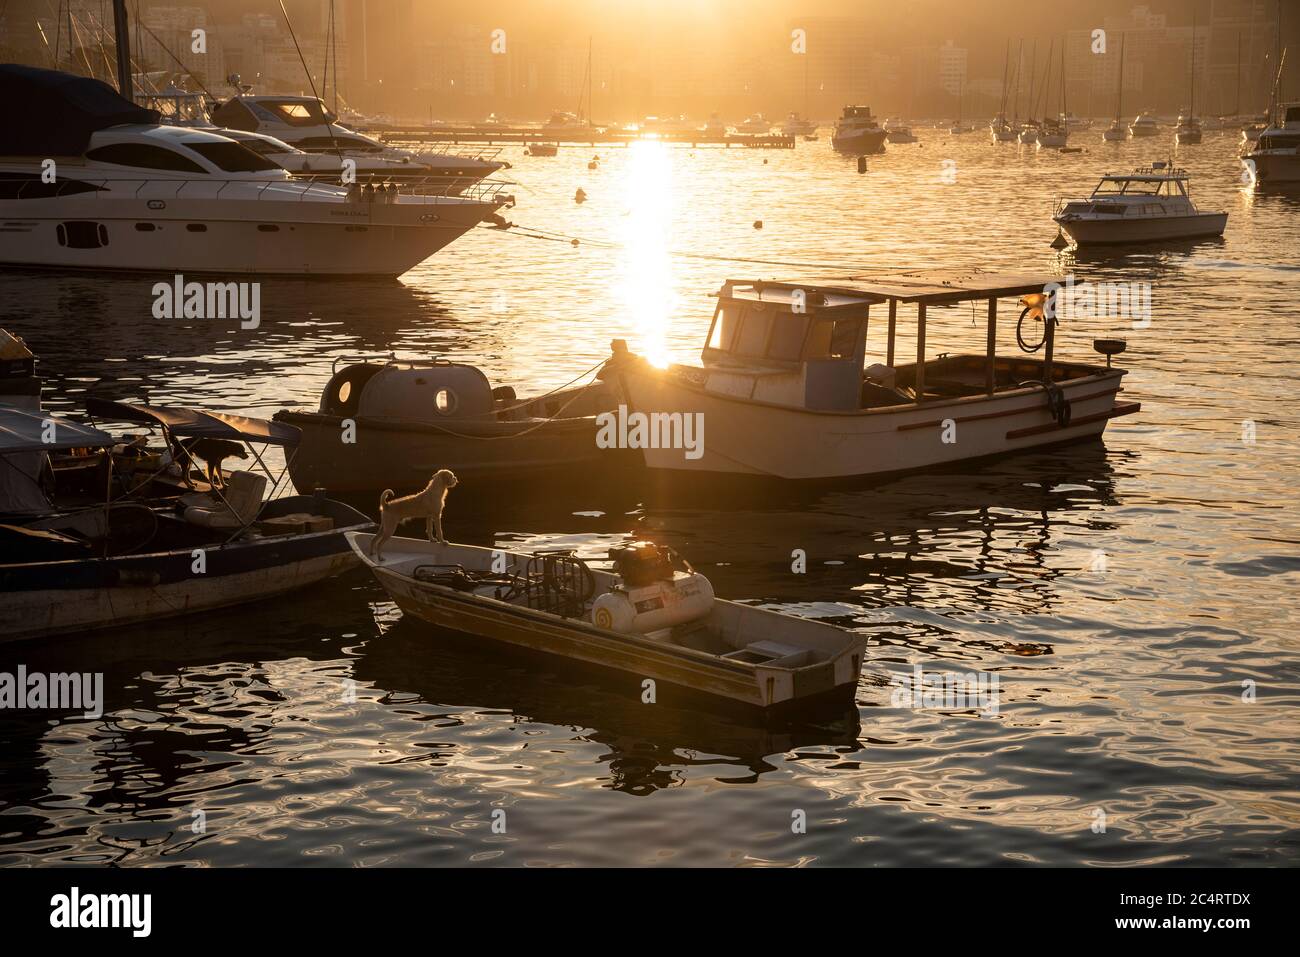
(232, 157)
(145, 156)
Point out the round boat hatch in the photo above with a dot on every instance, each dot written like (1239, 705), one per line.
(345, 390)
(445, 401)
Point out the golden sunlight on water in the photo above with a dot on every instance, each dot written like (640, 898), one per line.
(645, 271)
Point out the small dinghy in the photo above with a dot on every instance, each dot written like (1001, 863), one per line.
(541, 149)
(389, 423)
(652, 618)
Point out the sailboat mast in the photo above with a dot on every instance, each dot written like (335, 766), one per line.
(1119, 91)
(1236, 106)
(122, 34)
(1064, 110)
(1191, 96)
(1020, 64)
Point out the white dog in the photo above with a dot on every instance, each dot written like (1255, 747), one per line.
(429, 504)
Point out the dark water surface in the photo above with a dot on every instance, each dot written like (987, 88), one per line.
(1128, 596)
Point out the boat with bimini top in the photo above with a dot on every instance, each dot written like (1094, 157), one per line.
(786, 393)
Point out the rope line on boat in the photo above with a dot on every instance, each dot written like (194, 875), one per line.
(533, 428)
(532, 232)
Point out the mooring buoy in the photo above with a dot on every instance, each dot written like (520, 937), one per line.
(1059, 242)
(580, 196)
(862, 164)
(758, 224)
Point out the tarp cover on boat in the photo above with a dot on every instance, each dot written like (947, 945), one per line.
(50, 113)
(193, 423)
(22, 431)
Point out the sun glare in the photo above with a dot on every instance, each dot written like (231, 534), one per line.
(646, 271)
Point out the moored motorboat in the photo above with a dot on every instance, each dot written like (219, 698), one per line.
(653, 625)
(1143, 125)
(1275, 155)
(1151, 204)
(132, 194)
(783, 394)
(123, 561)
(858, 132)
(390, 423)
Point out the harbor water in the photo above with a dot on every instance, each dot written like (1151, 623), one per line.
(1135, 599)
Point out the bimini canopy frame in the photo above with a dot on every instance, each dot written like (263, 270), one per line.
(23, 431)
(194, 423)
(930, 290)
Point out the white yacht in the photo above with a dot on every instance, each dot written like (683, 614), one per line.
(858, 132)
(1028, 133)
(1151, 204)
(896, 131)
(1273, 158)
(1144, 125)
(796, 125)
(755, 124)
(715, 126)
(304, 122)
(1117, 132)
(133, 194)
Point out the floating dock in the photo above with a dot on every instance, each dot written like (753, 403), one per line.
(507, 135)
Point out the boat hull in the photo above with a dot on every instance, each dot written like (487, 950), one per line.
(290, 237)
(1117, 232)
(401, 457)
(633, 658)
(763, 440)
(53, 598)
(1275, 168)
(861, 142)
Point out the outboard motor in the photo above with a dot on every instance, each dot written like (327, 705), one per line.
(653, 594)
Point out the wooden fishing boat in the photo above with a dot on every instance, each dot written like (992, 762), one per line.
(783, 391)
(125, 561)
(650, 619)
(390, 423)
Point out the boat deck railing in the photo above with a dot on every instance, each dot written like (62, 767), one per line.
(278, 190)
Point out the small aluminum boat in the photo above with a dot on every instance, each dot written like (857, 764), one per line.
(652, 619)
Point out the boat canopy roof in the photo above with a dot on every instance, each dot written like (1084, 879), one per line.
(195, 423)
(920, 288)
(24, 431)
(51, 113)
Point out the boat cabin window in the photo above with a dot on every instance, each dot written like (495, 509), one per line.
(318, 143)
(299, 112)
(232, 157)
(768, 331)
(145, 156)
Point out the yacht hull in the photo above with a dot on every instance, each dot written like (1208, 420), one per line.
(1115, 232)
(1276, 168)
(864, 141)
(290, 237)
(757, 439)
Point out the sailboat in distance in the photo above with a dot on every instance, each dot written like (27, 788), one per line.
(1118, 132)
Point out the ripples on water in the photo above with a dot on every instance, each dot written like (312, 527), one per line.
(1120, 690)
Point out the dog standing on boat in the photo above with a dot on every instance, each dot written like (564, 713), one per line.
(427, 504)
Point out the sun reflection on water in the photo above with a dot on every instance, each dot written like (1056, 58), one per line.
(645, 267)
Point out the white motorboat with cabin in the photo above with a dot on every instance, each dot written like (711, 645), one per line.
(1144, 124)
(896, 131)
(306, 123)
(1151, 204)
(714, 126)
(1275, 157)
(652, 617)
(755, 125)
(796, 125)
(132, 194)
(858, 132)
(784, 391)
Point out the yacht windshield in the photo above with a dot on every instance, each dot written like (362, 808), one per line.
(232, 157)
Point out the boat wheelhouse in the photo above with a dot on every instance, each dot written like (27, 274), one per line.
(785, 391)
(1148, 205)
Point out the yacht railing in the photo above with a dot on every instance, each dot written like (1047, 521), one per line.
(282, 190)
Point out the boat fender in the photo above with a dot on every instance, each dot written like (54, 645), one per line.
(662, 604)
